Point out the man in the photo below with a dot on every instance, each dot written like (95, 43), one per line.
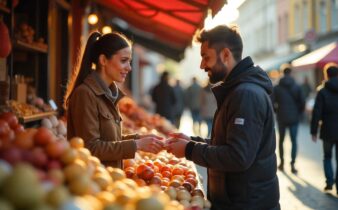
(240, 156)
(325, 110)
(179, 106)
(192, 100)
(163, 96)
(289, 104)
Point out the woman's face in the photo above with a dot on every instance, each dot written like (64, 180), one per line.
(118, 66)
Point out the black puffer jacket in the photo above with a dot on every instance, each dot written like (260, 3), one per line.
(288, 101)
(326, 110)
(241, 158)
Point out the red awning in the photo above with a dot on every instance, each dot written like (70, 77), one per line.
(173, 22)
(317, 58)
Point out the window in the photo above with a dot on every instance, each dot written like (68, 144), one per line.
(280, 29)
(297, 19)
(286, 27)
(322, 17)
(334, 14)
(305, 17)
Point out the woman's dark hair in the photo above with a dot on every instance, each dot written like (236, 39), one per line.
(97, 44)
(223, 37)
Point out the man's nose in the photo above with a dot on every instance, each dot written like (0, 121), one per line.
(202, 66)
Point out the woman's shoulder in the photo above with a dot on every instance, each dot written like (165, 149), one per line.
(83, 91)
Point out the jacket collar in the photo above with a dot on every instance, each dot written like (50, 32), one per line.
(92, 83)
(221, 89)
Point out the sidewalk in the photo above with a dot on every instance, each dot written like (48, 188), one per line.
(297, 192)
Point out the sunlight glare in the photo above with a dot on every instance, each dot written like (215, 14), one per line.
(228, 14)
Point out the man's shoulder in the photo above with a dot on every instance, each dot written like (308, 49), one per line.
(249, 87)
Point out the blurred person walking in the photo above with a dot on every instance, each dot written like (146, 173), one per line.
(208, 106)
(192, 101)
(240, 155)
(289, 104)
(164, 98)
(326, 111)
(306, 88)
(179, 105)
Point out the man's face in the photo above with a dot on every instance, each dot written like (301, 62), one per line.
(212, 64)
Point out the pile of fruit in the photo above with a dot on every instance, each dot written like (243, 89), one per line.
(24, 109)
(41, 171)
(135, 117)
(57, 126)
(176, 177)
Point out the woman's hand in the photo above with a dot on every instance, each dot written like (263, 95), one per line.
(150, 143)
(149, 135)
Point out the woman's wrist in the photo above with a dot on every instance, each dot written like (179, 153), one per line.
(137, 136)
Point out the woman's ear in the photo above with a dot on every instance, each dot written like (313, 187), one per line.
(102, 60)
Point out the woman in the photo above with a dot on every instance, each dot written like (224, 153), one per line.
(92, 97)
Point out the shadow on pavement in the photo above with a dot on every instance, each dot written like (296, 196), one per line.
(310, 196)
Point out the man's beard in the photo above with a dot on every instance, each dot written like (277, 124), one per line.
(218, 72)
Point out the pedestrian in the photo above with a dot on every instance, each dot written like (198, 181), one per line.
(179, 105)
(306, 88)
(326, 111)
(164, 98)
(208, 107)
(91, 101)
(289, 104)
(192, 100)
(240, 156)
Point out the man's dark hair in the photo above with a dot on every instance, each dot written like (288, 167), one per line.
(286, 69)
(223, 37)
(164, 76)
(331, 70)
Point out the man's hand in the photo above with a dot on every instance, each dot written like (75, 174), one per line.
(177, 146)
(179, 135)
(314, 138)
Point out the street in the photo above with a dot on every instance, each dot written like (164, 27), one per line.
(303, 191)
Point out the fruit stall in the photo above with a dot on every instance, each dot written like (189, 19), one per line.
(41, 169)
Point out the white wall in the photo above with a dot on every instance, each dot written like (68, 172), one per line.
(258, 26)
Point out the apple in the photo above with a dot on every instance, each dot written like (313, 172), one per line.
(156, 180)
(10, 118)
(147, 174)
(43, 136)
(149, 203)
(38, 157)
(12, 155)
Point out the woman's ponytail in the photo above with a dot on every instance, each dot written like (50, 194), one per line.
(80, 72)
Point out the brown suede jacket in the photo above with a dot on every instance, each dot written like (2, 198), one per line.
(92, 116)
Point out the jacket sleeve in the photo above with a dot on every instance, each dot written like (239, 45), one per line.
(83, 103)
(317, 113)
(200, 139)
(273, 98)
(130, 136)
(247, 112)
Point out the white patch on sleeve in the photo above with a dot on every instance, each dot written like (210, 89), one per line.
(239, 121)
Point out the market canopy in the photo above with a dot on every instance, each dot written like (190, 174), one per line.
(275, 63)
(318, 58)
(163, 23)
